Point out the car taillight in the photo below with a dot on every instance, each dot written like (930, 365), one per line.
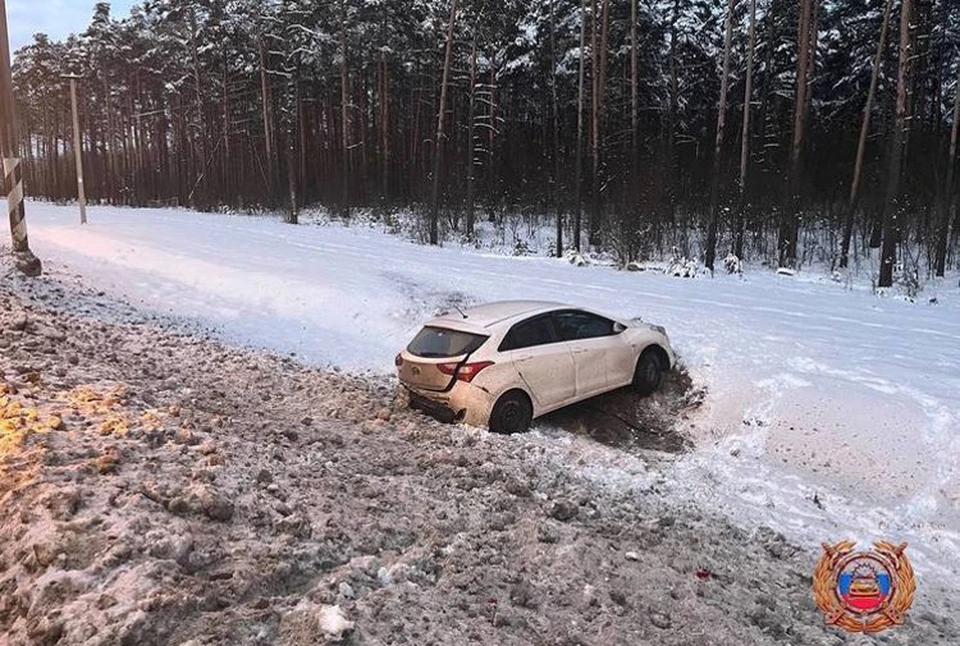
(398, 361)
(448, 368)
(467, 371)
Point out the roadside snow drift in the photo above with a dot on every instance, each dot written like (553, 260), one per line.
(831, 413)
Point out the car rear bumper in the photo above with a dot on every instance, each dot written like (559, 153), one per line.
(436, 409)
(463, 403)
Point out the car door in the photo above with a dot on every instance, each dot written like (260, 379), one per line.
(622, 357)
(596, 347)
(544, 364)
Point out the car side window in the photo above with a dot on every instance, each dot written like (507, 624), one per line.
(529, 333)
(576, 326)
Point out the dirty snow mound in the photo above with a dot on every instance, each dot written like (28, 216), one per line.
(159, 488)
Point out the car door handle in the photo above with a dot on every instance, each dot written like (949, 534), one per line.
(582, 351)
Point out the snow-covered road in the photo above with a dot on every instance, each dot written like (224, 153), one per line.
(813, 388)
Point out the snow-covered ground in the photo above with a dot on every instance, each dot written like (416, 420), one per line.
(815, 389)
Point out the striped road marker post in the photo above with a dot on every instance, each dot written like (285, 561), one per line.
(13, 186)
(24, 260)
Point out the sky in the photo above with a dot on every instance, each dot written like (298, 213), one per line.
(56, 18)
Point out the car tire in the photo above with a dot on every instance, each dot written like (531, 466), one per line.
(511, 414)
(649, 374)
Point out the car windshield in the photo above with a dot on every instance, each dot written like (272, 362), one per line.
(440, 343)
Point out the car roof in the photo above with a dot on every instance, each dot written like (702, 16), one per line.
(481, 317)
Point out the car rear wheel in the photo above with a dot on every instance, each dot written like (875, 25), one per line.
(511, 414)
(649, 374)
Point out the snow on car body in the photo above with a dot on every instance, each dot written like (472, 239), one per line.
(503, 364)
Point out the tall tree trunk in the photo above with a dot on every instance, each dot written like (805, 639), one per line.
(361, 112)
(669, 166)
(492, 131)
(771, 19)
(293, 138)
(293, 208)
(109, 189)
(718, 144)
(949, 193)
(594, 122)
(344, 115)
(555, 178)
(599, 91)
(601, 111)
(604, 56)
(578, 163)
(862, 141)
(416, 98)
(52, 153)
(438, 142)
(163, 144)
(199, 190)
(790, 226)
(136, 157)
(745, 133)
(302, 126)
(471, 135)
(634, 180)
(384, 125)
(269, 148)
(892, 207)
(814, 46)
(225, 177)
(126, 194)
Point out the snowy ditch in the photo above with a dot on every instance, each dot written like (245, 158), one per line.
(830, 413)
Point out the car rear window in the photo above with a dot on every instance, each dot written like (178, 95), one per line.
(440, 343)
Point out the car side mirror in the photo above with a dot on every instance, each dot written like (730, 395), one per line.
(619, 328)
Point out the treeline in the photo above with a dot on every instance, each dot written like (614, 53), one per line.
(640, 125)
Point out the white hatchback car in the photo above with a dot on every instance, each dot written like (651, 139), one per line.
(501, 365)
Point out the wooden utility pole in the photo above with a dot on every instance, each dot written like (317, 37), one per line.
(26, 262)
(77, 148)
